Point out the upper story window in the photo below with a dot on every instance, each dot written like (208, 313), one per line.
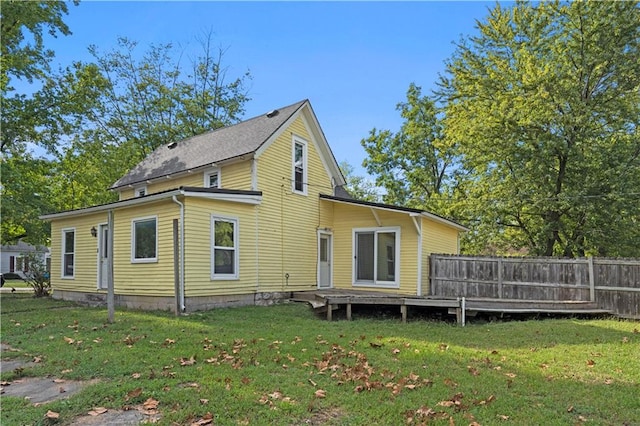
(144, 240)
(212, 179)
(68, 252)
(140, 191)
(299, 165)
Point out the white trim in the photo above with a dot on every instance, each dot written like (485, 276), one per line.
(236, 198)
(254, 174)
(236, 248)
(375, 282)
(330, 248)
(133, 240)
(64, 252)
(138, 189)
(419, 283)
(207, 177)
(295, 141)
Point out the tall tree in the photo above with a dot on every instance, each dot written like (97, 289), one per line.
(360, 187)
(414, 165)
(24, 185)
(544, 107)
(129, 103)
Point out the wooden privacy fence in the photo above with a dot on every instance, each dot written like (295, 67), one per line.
(612, 284)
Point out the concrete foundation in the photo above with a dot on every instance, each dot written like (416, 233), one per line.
(158, 303)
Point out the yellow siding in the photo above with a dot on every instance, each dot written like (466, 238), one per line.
(198, 242)
(236, 176)
(86, 257)
(349, 217)
(147, 279)
(288, 222)
(436, 238)
(190, 179)
(233, 176)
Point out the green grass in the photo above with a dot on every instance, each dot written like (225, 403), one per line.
(283, 365)
(16, 284)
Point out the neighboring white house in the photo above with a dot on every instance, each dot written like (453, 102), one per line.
(13, 257)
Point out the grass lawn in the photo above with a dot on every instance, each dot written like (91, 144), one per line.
(282, 365)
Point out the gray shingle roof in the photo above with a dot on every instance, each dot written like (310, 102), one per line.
(209, 148)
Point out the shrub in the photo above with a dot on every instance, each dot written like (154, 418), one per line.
(38, 276)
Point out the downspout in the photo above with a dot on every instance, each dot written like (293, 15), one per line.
(181, 291)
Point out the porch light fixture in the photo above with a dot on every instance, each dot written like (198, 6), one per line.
(94, 232)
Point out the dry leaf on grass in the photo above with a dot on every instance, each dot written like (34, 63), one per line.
(320, 393)
(97, 411)
(52, 415)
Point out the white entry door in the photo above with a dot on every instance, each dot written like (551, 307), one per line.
(103, 257)
(325, 256)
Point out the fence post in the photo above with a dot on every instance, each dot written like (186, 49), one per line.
(592, 280)
(500, 295)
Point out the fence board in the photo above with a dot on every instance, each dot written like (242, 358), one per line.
(614, 284)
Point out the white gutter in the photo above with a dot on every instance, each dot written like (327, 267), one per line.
(181, 286)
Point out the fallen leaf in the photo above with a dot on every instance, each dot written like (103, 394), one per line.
(136, 375)
(570, 409)
(97, 411)
(134, 393)
(207, 419)
(59, 380)
(591, 363)
(150, 404)
(185, 361)
(503, 417)
(37, 359)
(395, 351)
(320, 393)
(443, 346)
(69, 340)
(52, 415)
(204, 401)
(66, 371)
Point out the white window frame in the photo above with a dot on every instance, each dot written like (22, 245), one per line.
(64, 232)
(236, 248)
(133, 240)
(305, 166)
(138, 189)
(207, 178)
(375, 282)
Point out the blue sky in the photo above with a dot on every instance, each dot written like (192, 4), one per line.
(354, 61)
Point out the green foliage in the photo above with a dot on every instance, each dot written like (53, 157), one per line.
(414, 165)
(25, 194)
(359, 187)
(21, 30)
(282, 365)
(536, 146)
(38, 276)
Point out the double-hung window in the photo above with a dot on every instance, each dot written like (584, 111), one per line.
(144, 240)
(299, 160)
(68, 252)
(376, 253)
(224, 248)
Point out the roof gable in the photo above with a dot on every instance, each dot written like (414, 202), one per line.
(217, 146)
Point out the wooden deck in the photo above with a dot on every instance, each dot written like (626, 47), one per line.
(332, 299)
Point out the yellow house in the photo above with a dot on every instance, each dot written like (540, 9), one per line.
(245, 214)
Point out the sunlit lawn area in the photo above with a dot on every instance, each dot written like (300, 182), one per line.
(283, 365)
